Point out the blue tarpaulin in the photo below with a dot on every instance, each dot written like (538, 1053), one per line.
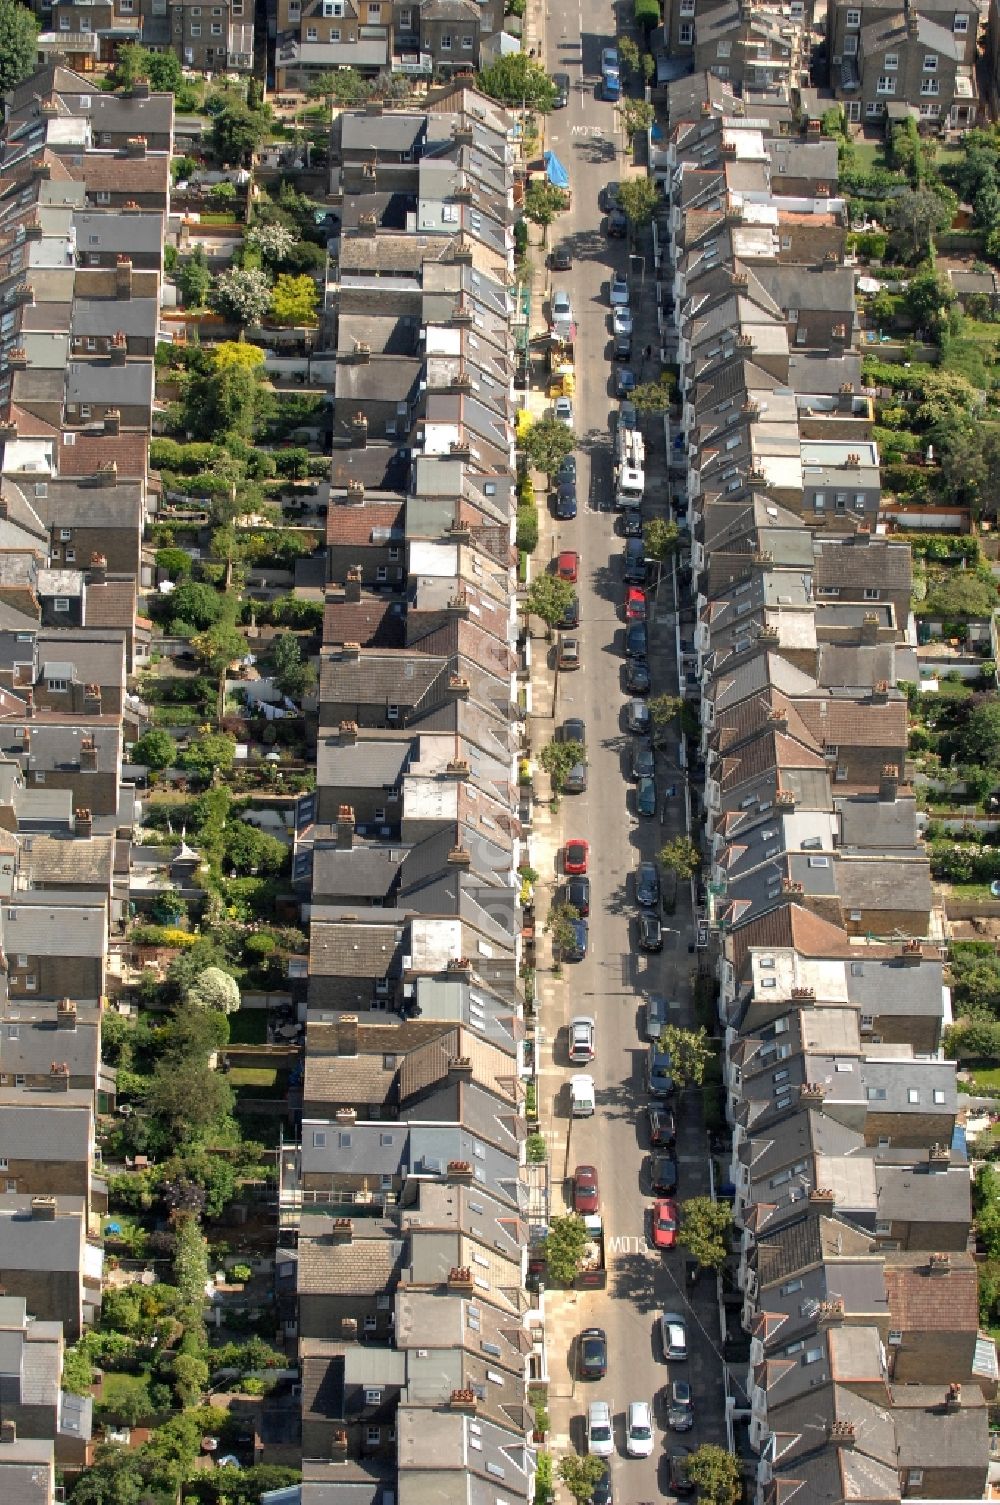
(556, 173)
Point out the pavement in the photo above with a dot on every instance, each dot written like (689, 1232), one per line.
(610, 983)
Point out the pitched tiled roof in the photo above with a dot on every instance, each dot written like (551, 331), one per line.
(352, 524)
(855, 723)
(351, 949)
(88, 452)
(111, 604)
(920, 1301)
(374, 622)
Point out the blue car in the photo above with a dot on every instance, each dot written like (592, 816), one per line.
(566, 502)
(576, 949)
(624, 381)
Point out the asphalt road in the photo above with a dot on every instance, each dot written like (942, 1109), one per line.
(611, 982)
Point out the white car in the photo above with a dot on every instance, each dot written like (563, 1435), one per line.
(562, 307)
(619, 290)
(562, 411)
(600, 1432)
(622, 320)
(638, 1429)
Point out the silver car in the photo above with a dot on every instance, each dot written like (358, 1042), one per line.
(562, 307)
(673, 1336)
(582, 1039)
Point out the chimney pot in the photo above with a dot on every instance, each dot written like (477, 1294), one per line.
(342, 1230)
(43, 1209)
(352, 584)
(345, 828)
(83, 822)
(348, 733)
(66, 1014)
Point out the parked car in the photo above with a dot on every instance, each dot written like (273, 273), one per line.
(600, 1433)
(645, 797)
(576, 856)
(568, 565)
(582, 1039)
(673, 1337)
(664, 1223)
(635, 603)
(573, 729)
(634, 561)
(663, 1173)
(636, 640)
(582, 1095)
(562, 307)
(638, 1429)
(603, 1494)
(630, 522)
(610, 62)
(617, 224)
(586, 1193)
(659, 1081)
(569, 653)
(638, 717)
(637, 676)
(561, 259)
(621, 319)
(618, 291)
(643, 759)
(566, 507)
(592, 1350)
(657, 1014)
(628, 416)
(570, 618)
(578, 895)
(576, 945)
(680, 1411)
(562, 86)
(566, 471)
(661, 1125)
(650, 932)
(624, 384)
(608, 196)
(562, 411)
(647, 896)
(622, 347)
(679, 1482)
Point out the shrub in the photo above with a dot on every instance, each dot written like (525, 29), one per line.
(527, 529)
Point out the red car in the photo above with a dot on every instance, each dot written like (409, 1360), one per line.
(577, 853)
(568, 566)
(586, 1196)
(635, 604)
(664, 1223)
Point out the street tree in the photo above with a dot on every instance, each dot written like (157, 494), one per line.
(549, 597)
(704, 1231)
(637, 197)
(628, 52)
(690, 1052)
(637, 115)
(546, 444)
(519, 80)
(558, 759)
(542, 202)
(681, 856)
(18, 43)
(663, 709)
(654, 396)
(563, 1247)
(243, 294)
(661, 537)
(294, 300)
(716, 1473)
(559, 924)
(581, 1476)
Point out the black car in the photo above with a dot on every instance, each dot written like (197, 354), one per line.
(573, 729)
(567, 471)
(645, 796)
(634, 560)
(663, 1174)
(650, 932)
(657, 1016)
(643, 759)
(593, 1362)
(628, 416)
(662, 1129)
(608, 197)
(647, 885)
(566, 501)
(636, 640)
(623, 347)
(561, 82)
(617, 224)
(602, 1489)
(571, 616)
(637, 680)
(631, 522)
(578, 895)
(561, 259)
(680, 1484)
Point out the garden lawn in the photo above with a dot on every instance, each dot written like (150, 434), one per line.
(115, 1387)
(248, 1027)
(974, 892)
(869, 156)
(986, 1076)
(258, 1081)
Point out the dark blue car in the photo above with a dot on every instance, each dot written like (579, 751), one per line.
(566, 501)
(624, 382)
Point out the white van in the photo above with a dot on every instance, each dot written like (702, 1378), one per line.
(583, 1099)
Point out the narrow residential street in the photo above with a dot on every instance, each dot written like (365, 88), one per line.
(612, 981)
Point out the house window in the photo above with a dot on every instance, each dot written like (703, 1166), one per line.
(891, 60)
(872, 592)
(373, 1397)
(57, 686)
(217, 28)
(930, 86)
(334, 33)
(873, 110)
(373, 1436)
(854, 18)
(467, 43)
(22, 961)
(939, 1096)
(312, 32)
(31, 982)
(3, 1162)
(393, 555)
(929, 112)
(19, 1079)
(850, 46)
(960, 25)
(374, 15)
(895, 1337)
(125, 6)
(196, 29)
(446, 41)
(371, 1323)
(686, 35)
(392, 713)
(914, 1478)
(12, 1183)
(930, 63)
(885, 85)
(790, 1287)
(867, 1021)
(406, 19)
(913, 1094)
(724, 49)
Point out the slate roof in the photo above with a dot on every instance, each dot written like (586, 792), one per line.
(120, 233)
(374, 622)
(69, 859)
(362, 872)
(40, 1129)
(368, 763)
(49, 924)
(342, 949)
(105, 316)
(366, 1266)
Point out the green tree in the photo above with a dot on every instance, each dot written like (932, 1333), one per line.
(155, 749)
(249, 850)
(217, 648)
(222, 196)
(661, 538)
(190, 1378)
(214, 989)
(293, 674)
(716, 1473)
(961, 593)
(581, 1475)
(549, 597)
(681, 856)
(628, 53)
(973, 1040)
(637, 197)
(342, 86)
(704, 1231)
(197, 604)
(986, 1203)
(131, 65)
(294, 300)
(637, 115)
(690, 1051)
(519, 80)
(190, 1262)
(546, 444)
(243, 295)
(918, 214)
(664, 709)
(215, 750)
(175, 563)
(979, 738)
(929, 297)
(563, 1248)
(274, 242)
(165, 73)
(647, 14)
(542, 202)
(654, 396)
(559, 925)
(558, 758)
(648, 68)
(187, 1096)
(237, 131)
(18, 44)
